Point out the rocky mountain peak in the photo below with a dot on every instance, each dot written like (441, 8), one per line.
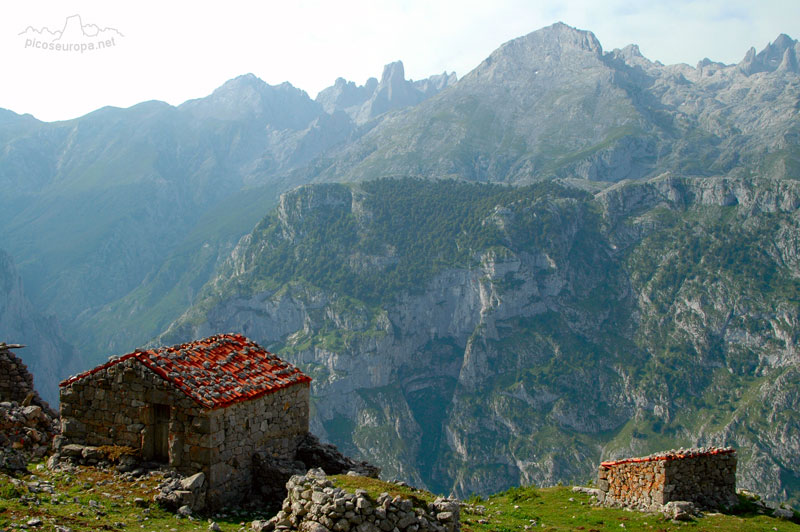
(545, 51)
(558, 39)
(281, 106)
(630, 51)
(245, 80)
(393, 74)
(783, 42)
(393, 92)
(781, 54)
(569, 37)
(631, 55)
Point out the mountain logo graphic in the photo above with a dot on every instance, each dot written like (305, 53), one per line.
(74, 36)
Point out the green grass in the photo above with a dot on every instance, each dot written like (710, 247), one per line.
(557, 509)
(93, 499)
(374, 487)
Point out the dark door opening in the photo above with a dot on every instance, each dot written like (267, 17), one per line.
(161, 433)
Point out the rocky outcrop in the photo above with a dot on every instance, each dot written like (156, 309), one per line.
(314, 504)
(374, 98)
(780, 54)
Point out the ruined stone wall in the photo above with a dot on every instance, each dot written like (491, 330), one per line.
(114, 406)
(273, 424)
(706, 477)
(16, 382)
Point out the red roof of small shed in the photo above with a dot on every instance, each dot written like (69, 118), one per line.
(215, 372)
(671, 455)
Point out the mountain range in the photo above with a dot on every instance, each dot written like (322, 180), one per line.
(568, 254)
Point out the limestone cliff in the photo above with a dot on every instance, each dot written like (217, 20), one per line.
(509, 336)
(47, 354)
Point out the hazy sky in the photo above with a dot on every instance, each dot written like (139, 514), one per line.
(177, 50)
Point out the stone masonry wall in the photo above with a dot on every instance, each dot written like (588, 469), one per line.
(313, 504)
(114, 406)
(706, 477)
(639, 485)
(273, 424)
(16, 382)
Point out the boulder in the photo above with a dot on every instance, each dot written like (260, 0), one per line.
(680, 510)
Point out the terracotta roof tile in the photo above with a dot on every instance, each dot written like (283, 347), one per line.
(217, 371)
(671, 455)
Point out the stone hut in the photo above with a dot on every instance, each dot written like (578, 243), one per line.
(703, 476)
(206, 406)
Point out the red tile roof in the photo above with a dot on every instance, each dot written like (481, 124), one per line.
(671, 455)
(217, 371)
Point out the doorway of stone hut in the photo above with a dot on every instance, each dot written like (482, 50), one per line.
(161, 433)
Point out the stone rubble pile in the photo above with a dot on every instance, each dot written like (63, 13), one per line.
(313, 504)
(25, 434)
(183, 495)
(122, 459)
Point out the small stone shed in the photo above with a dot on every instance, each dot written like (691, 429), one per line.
(206, 406)
(704, 476)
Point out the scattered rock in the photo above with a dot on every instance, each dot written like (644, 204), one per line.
(262, 526)
(680, 510)
(177, 493)
(194, 482)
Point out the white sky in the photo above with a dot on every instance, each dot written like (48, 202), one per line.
(175, 50)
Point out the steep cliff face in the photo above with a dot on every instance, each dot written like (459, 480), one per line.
(47, 354)
(474, 337)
